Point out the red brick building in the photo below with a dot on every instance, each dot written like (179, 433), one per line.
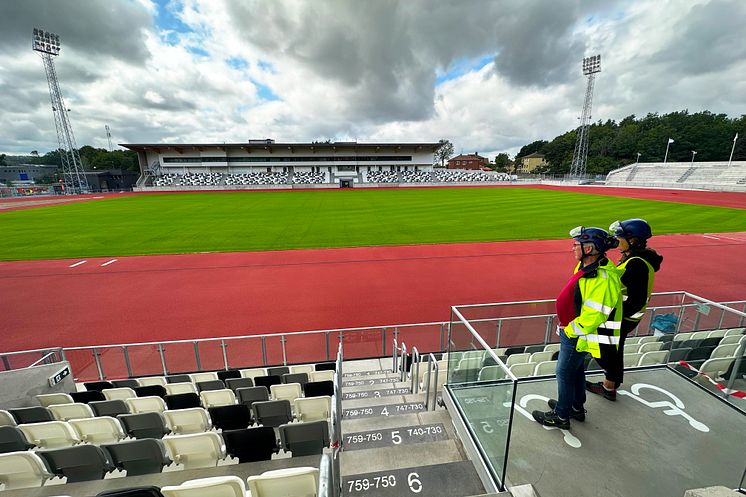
(467, 161)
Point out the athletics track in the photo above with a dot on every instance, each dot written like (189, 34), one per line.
(151, 298)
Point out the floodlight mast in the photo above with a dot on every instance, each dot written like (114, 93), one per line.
(48, 45)
(591, 66)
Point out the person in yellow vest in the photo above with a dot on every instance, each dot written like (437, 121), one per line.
(589, 310)
(638, 266)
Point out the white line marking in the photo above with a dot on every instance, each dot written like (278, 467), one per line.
(96, 198)
(713, 237)
(109, 262)
(77, 263)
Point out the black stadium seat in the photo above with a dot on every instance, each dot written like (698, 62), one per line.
(182, 400)
(272, 412)
(318, 388)
(79, 463)
(711, 342)
(178, 378)
(677, 355)
(267, 381)
(699, 355)
(97, 386)
(230, 417)
(111, 408)
(125, 383)
(236, 383)
(144, 425)
(278, 371)
(132, 492)
(534, 348)
(230, 373)
(86, 397)
(31, 414)
(301, 378)
(251, 444)
(151, 391)
(250, 395)
(514, 350)
(12, 440)
(326, 366)
(138, 457)
(203, 386)
(305, 439)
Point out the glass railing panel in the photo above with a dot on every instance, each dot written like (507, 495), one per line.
(273, 346)
(733, 320)
(429, 337)
(113, 362)
(145, 360)
(466, 356)
(303, 348)
(180, 357)
(364, 343)
(210, 355)
(244, 352)
(83, 364)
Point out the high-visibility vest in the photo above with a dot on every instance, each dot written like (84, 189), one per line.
(600, 318)
(636, 317)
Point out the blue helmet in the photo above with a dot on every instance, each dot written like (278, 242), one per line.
(598, 237)
(631, 228)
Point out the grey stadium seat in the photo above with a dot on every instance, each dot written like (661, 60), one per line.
(144, 425)
(229, 374)
(178, 378)
(204, 386)
(138, 457)
(148, 491)
(250, 395)
(236, 383)
(111, 408)
(272, 412)
(26, 415)
(125, 383)
(301, 378)
(79, 463)
(278, 371)
(305, 439)
(12, 440)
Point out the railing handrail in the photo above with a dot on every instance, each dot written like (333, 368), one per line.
(53, 353)
(414, 386)
(486, 347)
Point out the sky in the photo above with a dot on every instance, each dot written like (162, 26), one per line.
(490, 76)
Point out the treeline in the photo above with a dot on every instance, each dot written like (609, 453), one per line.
(614, 144)
(91, 158)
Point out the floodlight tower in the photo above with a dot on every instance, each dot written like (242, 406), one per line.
(108, 137)
(48, 46)
(591, 66)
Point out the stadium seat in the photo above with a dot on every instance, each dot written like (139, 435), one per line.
(180, 388)
(100, 430)
(272, 412)
(325, 366)
(151, 391)
(26, 415)
(253, 373)
(146, 404)
(647, 339)
(217, 486)
(288, 391)
(81, 463)
(178, 378)
(545, 367)
(144, 425)
(12, 440)
(66, 412)
(530, 349)
(232, 417)
(300, 378)
(302, 368)
(86, 397)
(312, 408)
(250, 395)
(23, 470)
(699, 335)
(125, 383)
(48, 399)
(519, 358)
(146, 491)
(6, 419)
(111, 408)
(50, 435)
(734, 332)
(283, 482)
(152, 380)
(652, 358)
(121, 393)
(514, 350)
(552, 347)
(630, 340)
(699, 355)
(236, 383)
(305, 439)
(199, 450)
(676, 355)
(206, 376)
(267, 381)
(315, 376)
(228, 374)
(138, 457)
(537, 357)
(716, 368)
(318, 388)
(728, 340)
(681, 337)
(97, 386)
(711, 342)
(631, 360)
(723, 351)
(203, 386)
(646, 347)
(183, 401)
(523, 369)
(185, 421)
(278, 371)
(487, 373)
(214, 398)
(251, 444)
(717, 333)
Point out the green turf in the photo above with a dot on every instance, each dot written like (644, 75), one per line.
(237, 221)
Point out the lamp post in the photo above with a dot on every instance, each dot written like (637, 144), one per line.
(638, 158)
(732, 149)
(665, 158)
(694, 152)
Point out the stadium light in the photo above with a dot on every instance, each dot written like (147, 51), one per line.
(732, 149)
(638, 158)
(670, 141)
(45, 42)
(694, 152)
(592, 65)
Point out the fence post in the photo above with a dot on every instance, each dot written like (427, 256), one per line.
(224, 346)
(197, 358)
(127, 361)
(161, 351)
(548, 331)
(383, 334)
(284, 352)
(264, 351)
(442, 337)
(499, 333)
(326, 336)
(98, 364)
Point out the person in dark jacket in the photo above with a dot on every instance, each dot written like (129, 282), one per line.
(638, 266)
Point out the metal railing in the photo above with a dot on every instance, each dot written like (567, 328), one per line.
(432, 366)
(29, 358)
(414, 386)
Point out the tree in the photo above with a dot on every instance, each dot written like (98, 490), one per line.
(444, 152)
(2, 160)
(34, 153)
(537, 146)
(502, 161)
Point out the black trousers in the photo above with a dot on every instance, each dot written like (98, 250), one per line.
(612, 358)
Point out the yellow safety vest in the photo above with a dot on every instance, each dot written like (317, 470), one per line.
(636, 317)
(600, 319)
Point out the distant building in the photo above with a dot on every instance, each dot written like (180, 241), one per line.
(111, 179)
(25, 174)
(467, 161)
(528, 163)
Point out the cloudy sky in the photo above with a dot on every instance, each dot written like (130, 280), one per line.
(490, 76)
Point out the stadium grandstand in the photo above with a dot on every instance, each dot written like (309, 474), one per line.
(267, 164)
(437, 409)
(718, 176)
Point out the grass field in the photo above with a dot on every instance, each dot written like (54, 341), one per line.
(237, 221)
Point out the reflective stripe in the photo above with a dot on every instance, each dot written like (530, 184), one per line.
(607, 340)
(638, 315)
(576, 329)
(598, 307)
(624, 298)
(611, 325)
(602, 272)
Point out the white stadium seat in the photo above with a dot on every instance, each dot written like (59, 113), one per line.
(185, 421)
(312, 408)
(48, 399)
(66, 412)
(101, 430)
(215, 398)
(122, 393)
(6, 419)
(50, 434)
(295, 482)
(152, 380)
(23, 470)
(199, 450)
(321, 376)
(208, 376)
(179, 388)
(146, 404)
(288, 391)
(217, 486)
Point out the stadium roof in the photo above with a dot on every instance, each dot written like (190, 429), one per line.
(271, 145)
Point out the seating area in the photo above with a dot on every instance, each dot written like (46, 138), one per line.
(381, 177)
(202, 179)
(178, 422)
(309, 178)
(263, 178)
(469, 177)
(166, 180)
(416, 177)
(706, 175)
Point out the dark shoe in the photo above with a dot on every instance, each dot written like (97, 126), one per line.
(550, 418)
(576, 415)
(598, 389)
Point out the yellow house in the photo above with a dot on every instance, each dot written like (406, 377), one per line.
(528, 163)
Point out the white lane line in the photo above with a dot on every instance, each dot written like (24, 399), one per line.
(713, 237)
(96, 198)
(77, 263)
(109, 262)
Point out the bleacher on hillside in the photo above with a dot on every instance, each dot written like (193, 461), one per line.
(704, 175)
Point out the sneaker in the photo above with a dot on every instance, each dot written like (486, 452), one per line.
(550, 418)
(576, 415)
(599, 389)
